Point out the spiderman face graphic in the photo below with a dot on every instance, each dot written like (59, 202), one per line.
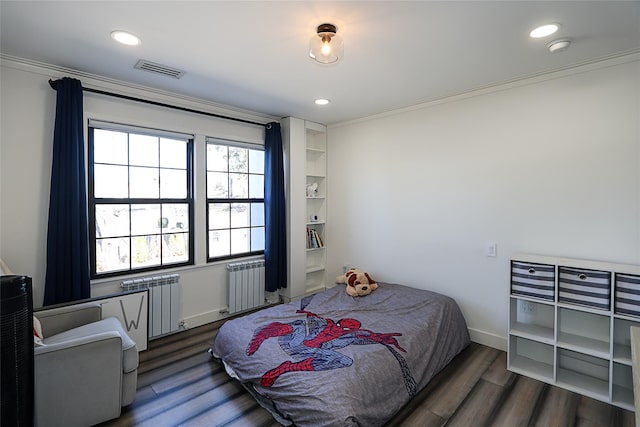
(313, 345)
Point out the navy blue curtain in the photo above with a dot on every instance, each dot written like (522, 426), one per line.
(67, 277)
(275, 251)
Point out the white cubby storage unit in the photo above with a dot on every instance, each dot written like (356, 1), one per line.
(569, 324)
(305, 146)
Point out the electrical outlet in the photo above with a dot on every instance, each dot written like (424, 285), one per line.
(492, 249)
(183, 324)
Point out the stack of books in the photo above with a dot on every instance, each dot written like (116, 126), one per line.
(314, 240)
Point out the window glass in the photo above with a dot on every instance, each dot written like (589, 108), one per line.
(113, 254)
(177, 216)
(144, 182)
(219, 244)
(173, 154)
(219, 216)
(238, 185)
(177, 248)
(217, 156)
(257, 239)
(235, 199)
(112, 220)
(239, 240)
(140, 200)
(256, 162)
(257, 214)
(110, 147)
(145, 219)
(238, 159)
(173, 183)
(217, 185)
(240, 215)
(111, 181)
(256, 186)
(143, 150)
(145, 251)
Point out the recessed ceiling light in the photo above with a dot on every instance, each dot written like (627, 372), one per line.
(125, 38)
(322, 101)
(544, 31)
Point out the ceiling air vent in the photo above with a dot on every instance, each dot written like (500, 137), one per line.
(152, 67)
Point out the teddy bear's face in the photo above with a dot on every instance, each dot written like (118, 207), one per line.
(360, 284)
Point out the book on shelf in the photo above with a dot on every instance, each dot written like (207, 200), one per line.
(314, 240)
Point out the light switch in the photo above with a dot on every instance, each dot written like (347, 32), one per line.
(492, 249)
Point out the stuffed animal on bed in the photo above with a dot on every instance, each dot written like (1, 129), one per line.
(358, 282)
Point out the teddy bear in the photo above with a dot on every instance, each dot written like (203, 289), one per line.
(358, 282)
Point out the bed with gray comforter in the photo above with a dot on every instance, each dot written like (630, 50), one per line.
(335, 360)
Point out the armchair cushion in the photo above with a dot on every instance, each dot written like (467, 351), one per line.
(110, 324)
(59, 319)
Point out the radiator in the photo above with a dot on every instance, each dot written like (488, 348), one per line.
(164, 302)
(245, 284)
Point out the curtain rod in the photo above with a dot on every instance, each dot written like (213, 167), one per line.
(162, 104)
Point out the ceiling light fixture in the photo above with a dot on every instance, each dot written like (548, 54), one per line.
(558, 45)
(322, 101)
(544, 31)
(125, 38)
(326, 47)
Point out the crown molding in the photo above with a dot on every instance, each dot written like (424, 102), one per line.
(94, 81)
(595, 64)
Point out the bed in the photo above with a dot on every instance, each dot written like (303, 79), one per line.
(335, 360)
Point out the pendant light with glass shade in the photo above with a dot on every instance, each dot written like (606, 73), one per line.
(327, 46)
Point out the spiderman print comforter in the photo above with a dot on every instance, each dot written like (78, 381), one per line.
(334, 360)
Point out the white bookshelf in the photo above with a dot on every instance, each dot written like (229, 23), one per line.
(573, 345)
(305, 145)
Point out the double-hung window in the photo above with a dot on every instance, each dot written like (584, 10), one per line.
(235, 199)
(140, 199)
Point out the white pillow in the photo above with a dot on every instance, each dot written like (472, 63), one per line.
(37, 332)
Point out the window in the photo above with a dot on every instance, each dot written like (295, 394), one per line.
(235, 199)
(140, 199)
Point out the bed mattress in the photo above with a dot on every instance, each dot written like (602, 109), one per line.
(335, 360)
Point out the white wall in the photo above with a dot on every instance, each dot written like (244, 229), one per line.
(548, 166)
(28, 112)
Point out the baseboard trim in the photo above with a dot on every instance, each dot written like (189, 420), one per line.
(488, 339)
(206, 317)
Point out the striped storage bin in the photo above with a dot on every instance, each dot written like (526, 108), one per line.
(584, 287)
(627, 298)
(533, 280)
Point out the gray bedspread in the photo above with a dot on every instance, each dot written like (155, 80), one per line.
(335, 360)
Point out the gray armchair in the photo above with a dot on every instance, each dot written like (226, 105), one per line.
(87, 369)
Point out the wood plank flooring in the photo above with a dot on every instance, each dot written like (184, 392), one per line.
(179, 385)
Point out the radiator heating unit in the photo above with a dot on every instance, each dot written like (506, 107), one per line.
(164, 302)
(245, 284)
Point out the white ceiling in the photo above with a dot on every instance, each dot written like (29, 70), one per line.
(254, 55)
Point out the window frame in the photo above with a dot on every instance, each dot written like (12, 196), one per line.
(248, 200)
(189, 199)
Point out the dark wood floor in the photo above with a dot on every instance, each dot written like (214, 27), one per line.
(178, 384)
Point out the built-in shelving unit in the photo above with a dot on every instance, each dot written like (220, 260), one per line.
(567, 326)
(305, 145)
(316, 197)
